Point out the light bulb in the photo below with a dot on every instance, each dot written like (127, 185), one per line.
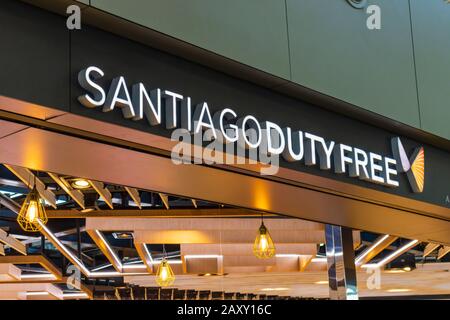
(32, 215)
(263, 248)
(32, 211)
(164, 276)
(263, 245)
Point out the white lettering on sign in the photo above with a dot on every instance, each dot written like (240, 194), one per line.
(225, 126)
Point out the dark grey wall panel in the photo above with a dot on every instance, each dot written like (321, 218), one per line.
(333, 52)
(252, 31)
(431, 31)
(34, 55)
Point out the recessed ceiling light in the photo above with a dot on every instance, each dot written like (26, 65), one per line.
(122, 235)
(80, 184)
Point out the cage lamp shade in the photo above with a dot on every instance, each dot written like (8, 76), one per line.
(263, 248)
(165, 276)
(32, 212)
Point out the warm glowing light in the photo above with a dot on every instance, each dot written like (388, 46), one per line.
(165, 276)
(407, 268)
(275, 289)
(171, 262)
(263, 248)
(80, 184)
(398, 290)
(37, 293)
(75, 295)
(371, 248)
(32, 215)
(391, 256)
(321, 282)
(287, 255)
(38, 276)
(394, 271)
(32, 211)
(202, 256)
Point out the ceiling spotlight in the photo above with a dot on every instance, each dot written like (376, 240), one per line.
(80, 184)
(122, 235)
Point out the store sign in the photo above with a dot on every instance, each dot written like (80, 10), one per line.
(137, 103)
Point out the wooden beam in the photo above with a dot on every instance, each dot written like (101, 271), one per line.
(9, 203)
(81, 286)
(224, 236)
(378, 245)
(12, 183)
(443, 251)
(145, 256)
(12, 242)
(64, 250)
(301, 227)
(134, 194)
(304, 261)
(2, 250)
(76, 195)
(35, 286)
(429, 248)
(33, 259)
(165, 200)
(103, 192)
(11, 272)
(245, 249)
(157, 213)
(28, 178)
(106, 249)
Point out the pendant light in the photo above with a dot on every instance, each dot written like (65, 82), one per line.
(32, 211)
(164, 276)
(263, 248)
